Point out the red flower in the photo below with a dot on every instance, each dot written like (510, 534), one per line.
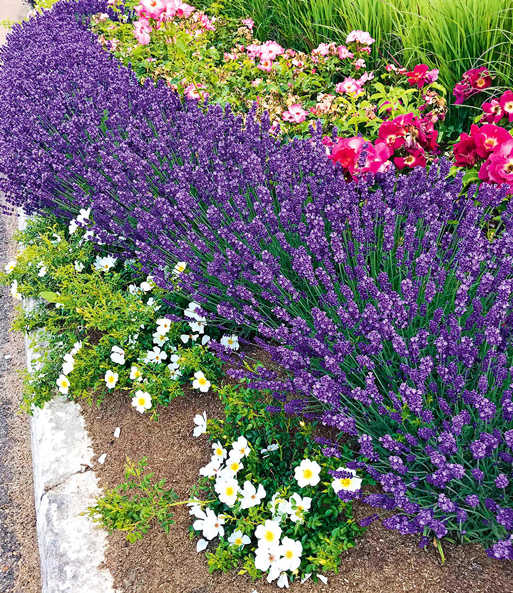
(479, 78)
(421, 74)
(498, 168)
(415, 158)
(358, 156)
(488, 138)
(493, 111)
(506, 102)
(464, 151)
(391, 134)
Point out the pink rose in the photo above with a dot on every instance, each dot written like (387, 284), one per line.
(295, 114)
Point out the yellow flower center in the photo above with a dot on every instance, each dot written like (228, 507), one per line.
(141, 401)
(289, 554)
(219, 451)
(64, 383)
(202, 381)
(307, 474)
(269, 536)
(234, 466)
(238, 541)
(180, 268)
(230, 491)
(345, 482)
(111, 379)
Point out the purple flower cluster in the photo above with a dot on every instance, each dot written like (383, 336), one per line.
(383, 301)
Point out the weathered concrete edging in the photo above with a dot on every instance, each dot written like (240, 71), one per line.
(72, 548)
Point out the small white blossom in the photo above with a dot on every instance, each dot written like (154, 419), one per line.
(179, 268)
(14, 290)
(212, 469)
(117, 355)
(73, 226)
(297, 507)
(159, 339)
(241, 446)
(84, 215)
(163, 325)
(266, 559)
(111, 379)
(200, 382)
(156, 355)
(219, 451)
(211, 525)
(227, 491)
(68, 365)
(104, 263)
(76, 347)
(350, 484)
(197, 326)
(307, 473)
(141, 401)
(133, 289)
(231, 342)
(9, 267)
(191, 311)
(268, 534)
(79, 266)
(63, 384)
(238, 539)
(201, 424)
(251, 497)
(135, 374)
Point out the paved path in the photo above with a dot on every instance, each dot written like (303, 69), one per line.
(19, 569)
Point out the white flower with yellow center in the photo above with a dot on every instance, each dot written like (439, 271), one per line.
(268, 534)
(14, 290)
(156, 355)
(227, 491)
(307, 473)
(241, 447)
(159, 339)
(233, 464)
(198, 327)
(267, 559)
(283, 581)
(297, 507)
(79, 266)
(231, 342)
(63, 384)
(135, 374)
(290, 552)
(111, 379)
(251, 497)
(141, 401)
(351, 483)
(68, 365)
(179, 268)
(200, 420)
(9, 267)
(200, 382)
(219, 451)
(117, 355)
(186, 337)
(211, 525)
(104, 264)
(238, 539)
(163, 326)
(212, 469)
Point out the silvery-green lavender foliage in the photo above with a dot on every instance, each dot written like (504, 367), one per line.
(386, 303)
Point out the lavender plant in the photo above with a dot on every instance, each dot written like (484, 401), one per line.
(384, 301)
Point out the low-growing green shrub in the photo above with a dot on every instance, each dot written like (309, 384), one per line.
(99, 325)
(135, 505)
(273, 508)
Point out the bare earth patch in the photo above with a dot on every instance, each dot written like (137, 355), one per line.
(382, 560)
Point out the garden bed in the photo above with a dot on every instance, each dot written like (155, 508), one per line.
(382, 560)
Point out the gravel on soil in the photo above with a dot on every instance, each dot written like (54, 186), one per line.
(19, 555)
(381, 561)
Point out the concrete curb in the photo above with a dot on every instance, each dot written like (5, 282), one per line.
(71, 547)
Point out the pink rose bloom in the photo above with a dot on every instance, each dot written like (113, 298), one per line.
(365, 78)
(192, 92)
(359, 64)
(184, 11)
(361, 37)
(266, 64)
(254, 50)
(153, 8)
(297, 63)
(499, 166)
(256, 82)
(228, 57)
(322, 50)
(206, 23)
(349, 86)
(273, 49)
(295, 114)
(344, 53)
(250, 23)
(142, 31)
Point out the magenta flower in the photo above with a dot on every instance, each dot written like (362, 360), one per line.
(295, 114)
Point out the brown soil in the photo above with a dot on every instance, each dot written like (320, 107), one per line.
(381, 561)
